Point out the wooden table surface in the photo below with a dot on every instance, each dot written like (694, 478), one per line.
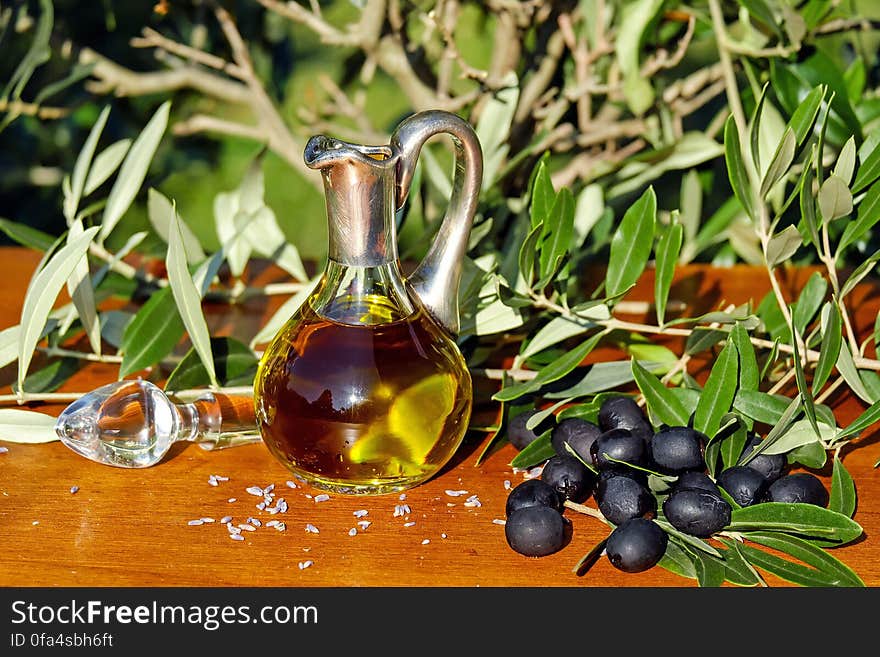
(129, 527)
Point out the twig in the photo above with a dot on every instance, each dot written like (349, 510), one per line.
(19, 107)
(153, 39)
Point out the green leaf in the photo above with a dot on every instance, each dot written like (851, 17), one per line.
(761, 406)
(807, 204)
(41, 294)
(187, 297)
(79, 286)
(830, 349)
(552, 372)
(843, 489)
(865, 419)
(795, 518)
(748, 362)
(134, 170)
(561, 328)
(868, 172)
(702, 338)
(631, 244)
(82, 165)
(811, 455)
(105, 165)
(736, 169)
(19, 426)
(718, 392)
(846, 161)
(732, 446)
(783, 245)
(37, 54)
(847, 368)
(9, 338)
(51, 377)
(537, 451)
(543, 195)
(234, 363)
(557, 233)
(737, 569)
(799, 434)
(835, 199)
(161, 212)
(826, 569)
(801, 379)
(755, 128)
(865, 268)
(527, 254)
(781, 162)
(710, 571)
(113, 323)
(804, 117)
(809, 300)
(687, 539)
(760, 11)
(27, 236)
(663, 406)
(493, 128)
(866, 218)
(599, 377)
(151, 335)
(666, 256)
(545, 413)
(632, 27)
(678, 560)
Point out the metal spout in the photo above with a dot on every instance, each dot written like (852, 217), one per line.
(359, 189)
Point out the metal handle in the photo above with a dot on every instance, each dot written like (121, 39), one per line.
(436, 279)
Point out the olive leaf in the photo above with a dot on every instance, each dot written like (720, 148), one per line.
(843, 489)
(631, 244)
(20, 426)
(535, 453)
(798, 518)
(133, 170)
(718, 392)
(662, 404)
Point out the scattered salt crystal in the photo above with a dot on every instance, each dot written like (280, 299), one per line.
(3, 450)
(73, 489)
(212, 481)
(408, 524)
(35, 522)
(280, 527)
(442, 535)
(291, 484)
(246, 527)
(533, 473)
(255, 522)
(473, 501)
(456, 493)
(323, 497)
(268, 489)
(507, 484)
(312, 529)
(207, 520)
(363, 524)
(254, 490)
(232, 499)
(353, 531)
(402, 497)
(271, 523)
(360, 513)
(232, 528)
(305, 564)
(261, 506)
(196, 522)
(426, 541)
(499, 521)
(236, 537)
(220, 478)
(226, 519)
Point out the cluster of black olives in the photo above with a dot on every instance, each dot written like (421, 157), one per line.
(623, 438)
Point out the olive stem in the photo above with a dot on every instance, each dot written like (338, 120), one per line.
(586, 510)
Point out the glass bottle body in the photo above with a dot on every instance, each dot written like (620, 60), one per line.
(361, 391)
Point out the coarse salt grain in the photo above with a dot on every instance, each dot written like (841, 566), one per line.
(507, 484)
(310, 528)
(212, 481)
(360, 513)
(402, 497)
(271, 523)
(499, 521)
(408, 524)
(291, 484)
(246, 527)
(280, 527)
(3, 450)
(353, 531)
(254, 521)
(456, 493)
(207, 520)
(363, 524)
(226, 519)
(323, 497)
(232, 499)
(305, 564)
(426, 541)
(35, 522)
(73, 490)
(255, 490)
(533, 473)
(196, 522)
(236, 537)
(442, 535)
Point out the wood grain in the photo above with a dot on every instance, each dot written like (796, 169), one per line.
(129, 527)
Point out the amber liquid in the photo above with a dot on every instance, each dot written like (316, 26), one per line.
(361, 408)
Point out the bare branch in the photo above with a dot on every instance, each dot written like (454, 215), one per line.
(18, 108)
(152, 39)
(205, 123)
